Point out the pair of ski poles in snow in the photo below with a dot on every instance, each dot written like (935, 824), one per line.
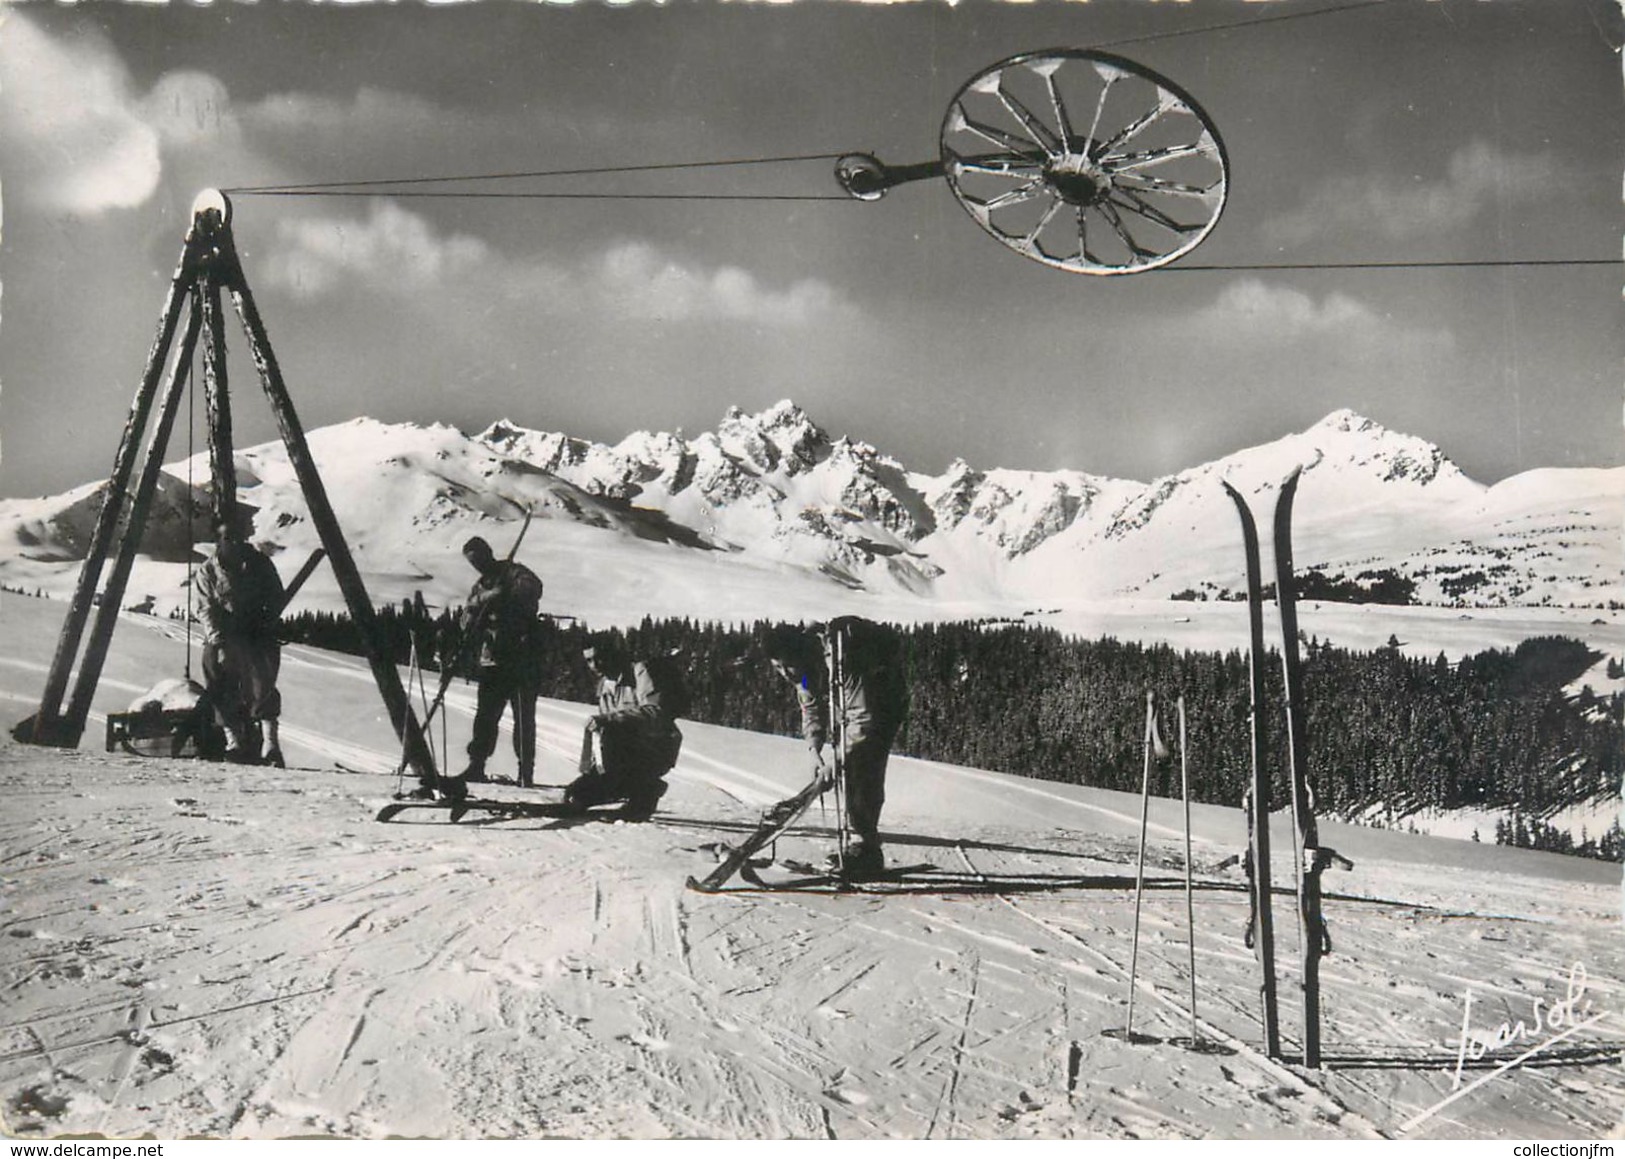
(1155, 749)
(836, 661)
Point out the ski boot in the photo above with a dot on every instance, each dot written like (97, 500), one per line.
(591, 788)
(860, 862)
(272, 752)
(641, 806)
(443, 789)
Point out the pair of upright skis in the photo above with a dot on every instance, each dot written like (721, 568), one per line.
(1309, 858)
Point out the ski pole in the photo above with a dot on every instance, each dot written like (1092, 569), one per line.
(426, 629)
(837, 731)
(414, 675)
(414, 683)
(1139, 876)
(1190, 905)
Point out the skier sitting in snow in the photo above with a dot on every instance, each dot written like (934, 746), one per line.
(857, 710)
(632, 741)
(501, 612)
(240, 603)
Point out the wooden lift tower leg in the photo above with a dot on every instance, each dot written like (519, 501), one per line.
(208, 263)
(72, 721)
(47, 727)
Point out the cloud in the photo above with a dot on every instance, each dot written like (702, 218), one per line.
(74, 141)
(396, 252)
(392, 251)
(77, 136)
(1251, 310)
(638, 280)
(374, 111)
(1477, 176)
(191, 108)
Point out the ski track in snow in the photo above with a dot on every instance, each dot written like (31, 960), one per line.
(199, 949)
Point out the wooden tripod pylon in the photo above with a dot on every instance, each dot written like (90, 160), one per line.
(207, 266)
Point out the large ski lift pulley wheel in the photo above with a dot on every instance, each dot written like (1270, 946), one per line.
(1078, 159)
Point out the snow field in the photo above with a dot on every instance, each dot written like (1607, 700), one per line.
(238, 952)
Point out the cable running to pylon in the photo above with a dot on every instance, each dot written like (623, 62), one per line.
(321, 187)
(309, 187)
(1239, 24)
(541, 196)
(407, 187)
(1488, 263)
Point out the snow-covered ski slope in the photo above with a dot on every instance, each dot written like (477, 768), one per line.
(198, 949)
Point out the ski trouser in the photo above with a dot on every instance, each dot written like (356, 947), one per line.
(241, 674)
(503, 686)
(865, 764)
(636, 748)
(631, 762)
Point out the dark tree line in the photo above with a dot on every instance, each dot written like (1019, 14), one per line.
(1533, 833)
(1388, 734)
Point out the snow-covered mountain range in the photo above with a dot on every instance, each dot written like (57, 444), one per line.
(771, 511)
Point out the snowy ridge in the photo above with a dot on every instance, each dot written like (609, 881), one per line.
(770, 511)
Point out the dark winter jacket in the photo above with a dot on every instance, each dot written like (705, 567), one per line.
(240, 595)
(502, 607)
(871, 697)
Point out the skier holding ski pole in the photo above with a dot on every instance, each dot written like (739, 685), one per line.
(499, 618)
(852, 691)
(498, 626)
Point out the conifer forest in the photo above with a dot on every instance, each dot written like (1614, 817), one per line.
(1389, 734)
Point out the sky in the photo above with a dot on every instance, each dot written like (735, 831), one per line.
(1396, 131)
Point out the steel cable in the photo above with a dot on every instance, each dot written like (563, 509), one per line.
(398, 187)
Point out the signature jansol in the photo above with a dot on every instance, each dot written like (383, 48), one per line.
(1558, 1018)
(1548, 1024)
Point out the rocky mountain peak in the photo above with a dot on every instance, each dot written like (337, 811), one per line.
(1348, 438)
(1348, 421)
(782, 437)
(954, 492)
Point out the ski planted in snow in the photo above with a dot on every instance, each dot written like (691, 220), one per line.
(775, 821)
(1310, 859)
(1256, 801)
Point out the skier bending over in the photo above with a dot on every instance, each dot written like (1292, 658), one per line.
(501, 613)
(240, 600)
(632, 742)
(853, 693)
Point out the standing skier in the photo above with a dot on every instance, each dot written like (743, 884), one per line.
(240, 598)
(632, 742)
(853, 694)
(499, 619)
